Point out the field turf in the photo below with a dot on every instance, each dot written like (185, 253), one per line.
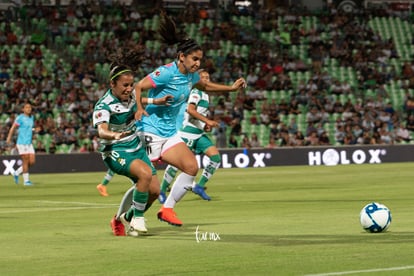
(297, 220)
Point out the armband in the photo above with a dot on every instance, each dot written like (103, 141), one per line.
(150, 100)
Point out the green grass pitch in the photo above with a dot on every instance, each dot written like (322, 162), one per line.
(297, 220)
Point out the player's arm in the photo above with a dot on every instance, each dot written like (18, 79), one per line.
(216, 87)
(143, 84)
(105, 133)
(10, 134)
(192, 111)
(158, 101)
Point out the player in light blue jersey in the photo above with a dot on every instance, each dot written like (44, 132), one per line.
(25, 125)
(159, 123)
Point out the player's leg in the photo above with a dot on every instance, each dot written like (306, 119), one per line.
(25, 172)
(213, 154)
(118, 221)
(181, 157)
(19, 171)
(206, 146)
(140, 170)
(105, 181)
(169, 175)
(136, 166)
(125, 212)
(28, 158)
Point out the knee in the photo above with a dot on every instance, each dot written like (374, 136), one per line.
(143, 174)
(146, 175)
(191, 168)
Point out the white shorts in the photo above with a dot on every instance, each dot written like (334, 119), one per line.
(156, 146)
(25, 149)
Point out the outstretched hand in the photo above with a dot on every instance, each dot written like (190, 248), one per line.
(239, 83)
(212, 123)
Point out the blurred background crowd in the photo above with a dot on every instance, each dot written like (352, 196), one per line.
(315, 77)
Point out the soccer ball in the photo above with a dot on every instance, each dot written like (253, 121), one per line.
(375, 217)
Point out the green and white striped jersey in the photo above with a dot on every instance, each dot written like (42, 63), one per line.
(193, 128)
(120, 117)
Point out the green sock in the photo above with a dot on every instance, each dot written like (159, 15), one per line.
(107, 177)
(209, 170)
(169, 175)
(139, 201)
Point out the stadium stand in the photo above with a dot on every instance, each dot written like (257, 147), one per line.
(297, 55)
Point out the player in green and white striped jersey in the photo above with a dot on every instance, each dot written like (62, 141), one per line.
(122, 150)
(194, 133)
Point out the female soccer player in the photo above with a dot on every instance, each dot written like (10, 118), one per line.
(25, 125)
(158, 122)
(121, 148)
(193, 132)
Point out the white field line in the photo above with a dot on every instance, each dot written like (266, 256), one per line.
(75, 203)
(86, 205)
(364, 271)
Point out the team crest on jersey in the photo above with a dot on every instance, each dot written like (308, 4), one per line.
(157, 73)
(98, 115)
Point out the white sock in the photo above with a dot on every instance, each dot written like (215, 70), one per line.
(181, 186)
(18, 171)
(26, 177)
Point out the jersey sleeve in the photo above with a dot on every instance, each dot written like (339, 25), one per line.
(18, 120)
(195, 97)
(160, 76)
(101, 114)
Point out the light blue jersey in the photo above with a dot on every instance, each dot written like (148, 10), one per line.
(25, 131)
(167, 80)
(181, 116)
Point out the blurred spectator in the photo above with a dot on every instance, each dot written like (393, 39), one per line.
(245, 143)
(401, 133)
(233, 143)
(254, 141)
(324, 139)
(272, 143)
(40, 148)
(409, 124)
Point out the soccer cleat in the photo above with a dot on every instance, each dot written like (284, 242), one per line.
(168, 215)
(102, 190)
(28, 183)
(16, 178)
(130, 230)
(162, 197)
(117, 227)
(197, 189)
(137, 226)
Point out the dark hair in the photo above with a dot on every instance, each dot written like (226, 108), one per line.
(125, 60)
(169, 35)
